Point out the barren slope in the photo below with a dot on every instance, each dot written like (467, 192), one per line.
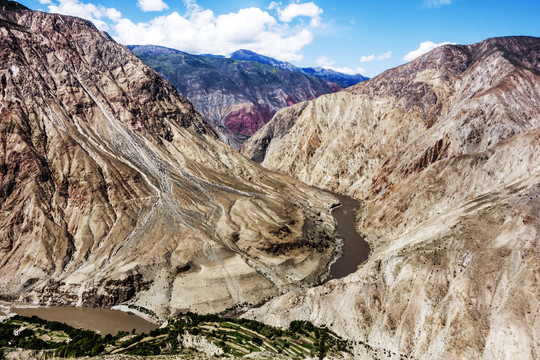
(444, 153)
(114, 189)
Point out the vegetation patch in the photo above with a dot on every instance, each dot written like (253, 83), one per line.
(235, 337)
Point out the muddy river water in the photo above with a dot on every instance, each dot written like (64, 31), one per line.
(355, 248)
(106, 321)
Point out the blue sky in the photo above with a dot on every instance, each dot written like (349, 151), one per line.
(346, 35)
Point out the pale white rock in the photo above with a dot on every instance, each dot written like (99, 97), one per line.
(202, 344)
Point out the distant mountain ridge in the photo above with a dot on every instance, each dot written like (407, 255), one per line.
(248, 55)
(344, 80)
(237, 97)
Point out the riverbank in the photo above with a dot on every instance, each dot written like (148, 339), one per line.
(352, 248)
(186, 334)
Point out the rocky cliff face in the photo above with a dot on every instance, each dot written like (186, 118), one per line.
(237, 97)
(444, 154)
(114, 189)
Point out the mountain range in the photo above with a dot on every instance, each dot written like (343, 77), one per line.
(344, 80)
(237, 97)
(114, 189)
(444, 155)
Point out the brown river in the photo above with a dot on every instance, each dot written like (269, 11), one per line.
(106, 321)
(355, 248)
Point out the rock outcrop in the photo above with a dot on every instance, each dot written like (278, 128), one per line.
(114, 189)
(444, 154)
(237, 97)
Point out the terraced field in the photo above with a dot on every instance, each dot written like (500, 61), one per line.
(186, 334)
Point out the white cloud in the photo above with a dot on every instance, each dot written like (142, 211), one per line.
(384, 56)
(201, 31)
(327, 63)
(45, 2)
(274, 5)
(94, 13)
(425, 47)
(192, 7)
(113, 14)
(152, 5)
(294, 10)
(436, 3)
(368, 58)
(315, 21)
(243, 26)
(324, 61)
